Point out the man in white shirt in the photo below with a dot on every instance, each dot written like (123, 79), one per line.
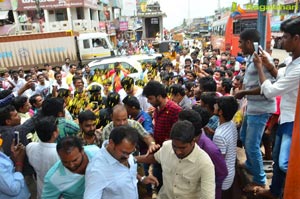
(66, 66)
(112, 174)
(29, 87)
(43, 87)
(47, 132)
(184, 56)
(17, 82)
(188, 172)
(58, 83)
(286, 86)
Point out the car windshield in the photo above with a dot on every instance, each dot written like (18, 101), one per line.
(104, 68)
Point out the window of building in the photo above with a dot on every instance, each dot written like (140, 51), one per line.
(154, 20)
(61, 15)
(80, 13)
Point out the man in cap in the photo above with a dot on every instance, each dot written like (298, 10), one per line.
(129, 89)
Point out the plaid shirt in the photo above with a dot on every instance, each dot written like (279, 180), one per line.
(67, 128)
(213, 122)
(97, 140)
(164, 120)
(135, 124)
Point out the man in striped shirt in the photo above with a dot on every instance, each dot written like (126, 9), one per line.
(226, 139)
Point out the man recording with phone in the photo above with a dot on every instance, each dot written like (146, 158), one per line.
(257, 112)
(9, 125)
(12, 184)
(286, 86)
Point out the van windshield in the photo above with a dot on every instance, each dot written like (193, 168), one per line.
(100, 42)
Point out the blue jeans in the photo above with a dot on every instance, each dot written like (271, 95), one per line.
(281, 154)
(251, 133)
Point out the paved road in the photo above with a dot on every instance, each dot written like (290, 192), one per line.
(280, 54)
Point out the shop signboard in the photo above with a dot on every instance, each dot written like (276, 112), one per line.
(23, 5)
(123, 25)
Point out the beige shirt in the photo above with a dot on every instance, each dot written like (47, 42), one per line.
(189, 178)
(24, 117)
(135, 124)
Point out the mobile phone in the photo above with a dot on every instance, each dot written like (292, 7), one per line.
(17, 137)
(256, 49)
(33, 87)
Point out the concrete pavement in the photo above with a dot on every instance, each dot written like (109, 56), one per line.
(280, 54)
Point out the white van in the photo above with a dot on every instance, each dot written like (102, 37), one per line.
(94, 45)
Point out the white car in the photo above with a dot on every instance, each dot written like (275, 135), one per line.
(146, 57)
(131, 63)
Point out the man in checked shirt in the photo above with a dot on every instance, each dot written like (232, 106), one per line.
(165, 115)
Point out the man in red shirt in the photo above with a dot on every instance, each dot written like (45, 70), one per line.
(116, 75)
(165, 115)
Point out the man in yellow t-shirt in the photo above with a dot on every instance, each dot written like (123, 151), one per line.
(69, 78)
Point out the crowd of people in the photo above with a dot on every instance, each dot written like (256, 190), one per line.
(70, 132)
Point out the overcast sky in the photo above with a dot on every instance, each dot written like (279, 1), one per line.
(177, 10)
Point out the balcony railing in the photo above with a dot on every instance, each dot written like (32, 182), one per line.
(78, 25)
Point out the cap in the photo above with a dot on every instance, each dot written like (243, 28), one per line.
(95, 88)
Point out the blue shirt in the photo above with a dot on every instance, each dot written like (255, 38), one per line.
(213, 122)
(107, 178)
(12, 184)
(59, 181)
(146, 121)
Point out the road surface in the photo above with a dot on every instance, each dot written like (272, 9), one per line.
(280, 54)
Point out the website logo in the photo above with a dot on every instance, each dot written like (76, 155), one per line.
(264, 8)
(236, 9)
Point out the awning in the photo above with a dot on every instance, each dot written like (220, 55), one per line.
(136, 27)
(277, 34)
(3, 15)
(275, 27)
(115, 3)
(104, 1)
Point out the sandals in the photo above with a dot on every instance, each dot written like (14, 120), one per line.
(253, 187)
(263, 192)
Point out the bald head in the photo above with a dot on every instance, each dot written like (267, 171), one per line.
(119, 108)
(119, 115)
